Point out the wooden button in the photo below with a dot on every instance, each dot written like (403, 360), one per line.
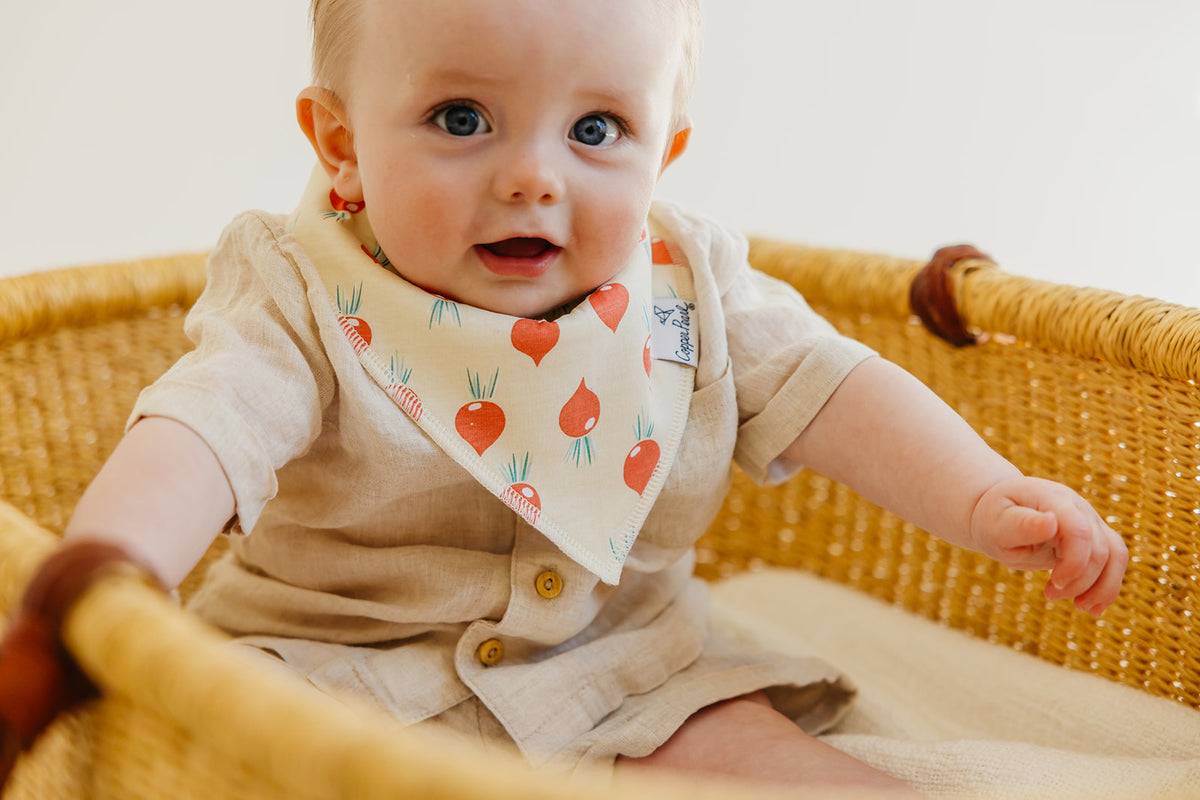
(549, 584)
(490, 652)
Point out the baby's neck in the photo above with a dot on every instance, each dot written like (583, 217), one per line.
(561, 311)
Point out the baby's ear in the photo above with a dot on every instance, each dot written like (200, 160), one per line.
(678, 144)
(322, 117)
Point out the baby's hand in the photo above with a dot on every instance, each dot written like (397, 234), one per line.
(1030, 523)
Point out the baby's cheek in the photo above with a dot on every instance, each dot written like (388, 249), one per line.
(410, 224)
(619, 224)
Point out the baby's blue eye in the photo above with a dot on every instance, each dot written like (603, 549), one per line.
(595, 130)
(461, 120)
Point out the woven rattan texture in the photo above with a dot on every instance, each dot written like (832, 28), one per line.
(64, 397)
(1127, 439)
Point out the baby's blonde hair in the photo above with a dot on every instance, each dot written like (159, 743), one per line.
(333, 34)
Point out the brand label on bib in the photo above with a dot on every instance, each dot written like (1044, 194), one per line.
(673, 331)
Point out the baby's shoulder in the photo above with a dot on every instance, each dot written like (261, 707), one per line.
(257, 267)
(711, 247)
(253, 234)
(259, 247)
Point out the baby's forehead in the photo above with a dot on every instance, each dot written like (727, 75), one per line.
(606, 34)
(662, 12)
(343, 29)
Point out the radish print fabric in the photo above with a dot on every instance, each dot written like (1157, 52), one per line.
(572, 422)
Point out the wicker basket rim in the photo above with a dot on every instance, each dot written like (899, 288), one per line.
(1134, 331)
(89, 294)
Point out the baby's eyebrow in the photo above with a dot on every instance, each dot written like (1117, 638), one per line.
(615, 98)
(453, 76)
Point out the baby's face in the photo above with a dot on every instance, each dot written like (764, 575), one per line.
(508, 149)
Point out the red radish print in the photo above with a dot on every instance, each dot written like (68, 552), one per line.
(481, 421)
(659, 254)
(610, 302)
(580, 414)
(643, 458)
(520, 496)
(535, 338)
(338, 204)
(523, 499)
(339, 209)
(404, 396)
(378, 256)
(355, 328)
(646, 359)
(577, 418)
(357, 331)
(407, 399)
(640, 464)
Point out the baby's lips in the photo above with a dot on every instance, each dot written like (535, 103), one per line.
(518, 257)
(519, 247)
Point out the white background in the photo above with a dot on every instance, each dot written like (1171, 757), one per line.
(1060, 136)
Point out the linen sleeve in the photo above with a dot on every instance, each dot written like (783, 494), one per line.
(786, 361)
(256, 384)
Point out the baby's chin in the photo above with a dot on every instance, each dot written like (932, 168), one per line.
(530, 300)
(535, 308)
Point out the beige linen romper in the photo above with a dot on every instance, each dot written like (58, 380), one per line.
(374, 566)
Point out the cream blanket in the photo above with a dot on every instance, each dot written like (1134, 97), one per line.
(958, 717)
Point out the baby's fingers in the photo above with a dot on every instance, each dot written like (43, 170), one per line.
(1093, 562)
(1108, 584)
(1030, 523)
(1025, 538)
(1082, 557)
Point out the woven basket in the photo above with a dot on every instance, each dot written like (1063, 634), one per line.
(1090, 388)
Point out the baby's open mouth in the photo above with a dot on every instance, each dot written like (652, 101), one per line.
(519, 248)
(519, 257)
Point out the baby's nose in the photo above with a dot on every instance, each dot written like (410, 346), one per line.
(529, 176)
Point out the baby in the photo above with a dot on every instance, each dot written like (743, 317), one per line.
(466, 411)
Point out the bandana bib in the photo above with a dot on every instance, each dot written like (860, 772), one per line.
(574, 422)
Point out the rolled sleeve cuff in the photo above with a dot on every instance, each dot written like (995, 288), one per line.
(238, 449)
(763, 438)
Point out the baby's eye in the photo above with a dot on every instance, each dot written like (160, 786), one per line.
(461, 120)
(595, 130)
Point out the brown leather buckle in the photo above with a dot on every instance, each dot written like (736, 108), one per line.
(931, 295)
(38, 678)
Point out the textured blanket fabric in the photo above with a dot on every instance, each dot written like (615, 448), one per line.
(958, 717)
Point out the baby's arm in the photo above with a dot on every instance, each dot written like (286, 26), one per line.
(162, 495)
(888, 437)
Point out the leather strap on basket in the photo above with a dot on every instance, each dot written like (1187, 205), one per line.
(931, 295)
(38, 678)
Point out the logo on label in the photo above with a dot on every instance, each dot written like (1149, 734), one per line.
(673, 333)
